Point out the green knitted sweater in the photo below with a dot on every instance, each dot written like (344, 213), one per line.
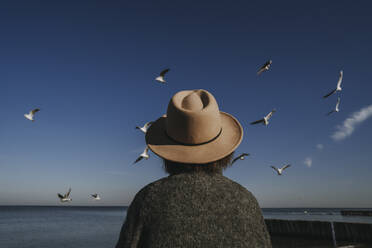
(194, 210)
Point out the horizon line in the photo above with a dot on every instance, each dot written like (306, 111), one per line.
(127, 206)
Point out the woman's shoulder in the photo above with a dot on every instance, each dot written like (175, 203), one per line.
(150, 189)
(215, 183)
(236, 186)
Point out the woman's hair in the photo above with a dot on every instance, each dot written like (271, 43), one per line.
(173, 168)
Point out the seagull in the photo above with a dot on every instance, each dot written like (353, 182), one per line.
(280, 171)
(265, 67)
(161, 77)
(336, 108)
(30, 115)
(241, 157)
(265, 120)
(145, 155)
(96, 197)
(338, 88)
(65, 197)
(145, 127)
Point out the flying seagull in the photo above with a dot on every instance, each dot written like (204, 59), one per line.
(30, 116)
(161, 77)
(65, 197)
(338, 88)
(96, 197)
(241, 157)
(145, 155)
(265, 120)
(145, 127)
(280, 171)
(265, 67)
(336, 108)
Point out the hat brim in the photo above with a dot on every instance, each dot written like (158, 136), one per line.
(229, 139)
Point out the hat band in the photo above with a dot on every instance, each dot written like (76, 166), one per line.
(190, 144)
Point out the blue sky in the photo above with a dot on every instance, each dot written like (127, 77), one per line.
(90, 67)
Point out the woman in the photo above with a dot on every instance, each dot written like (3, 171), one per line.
(195, 206)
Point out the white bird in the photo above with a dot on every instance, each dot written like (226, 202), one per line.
(336, 107)
(265, 120)
(265, 67)
(30, 115)
(161, 77)
(144, 154)
(65, 197)
(241, 157)
(280, 171)
(96, 197)
(338, 87)
(145, 127)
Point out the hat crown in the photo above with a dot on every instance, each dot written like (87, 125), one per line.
(192, 102)
(193, 117)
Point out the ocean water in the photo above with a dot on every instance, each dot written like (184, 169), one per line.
(99, 227)
(60, 227)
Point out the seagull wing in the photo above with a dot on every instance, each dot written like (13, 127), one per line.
(138, 159)
(60, 196)
(235, 159)
(264, 67)
(34, 111)
(329, 113)
(148, 124)
(340, 79)
(268, 63)
(241, 156)
(270, 114)
(256, 122)
(68, 193)
(162, 73)
(286, 166)
(338, 102)
(261, 70)
(330, 93)
(276, 169)
(94, 195)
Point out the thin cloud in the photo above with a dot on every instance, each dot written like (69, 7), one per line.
(320, 146)
(348, 127)
(308, 162)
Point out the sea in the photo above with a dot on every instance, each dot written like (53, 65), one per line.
(99, 227)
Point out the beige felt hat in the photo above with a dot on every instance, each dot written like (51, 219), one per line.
(194, 131)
